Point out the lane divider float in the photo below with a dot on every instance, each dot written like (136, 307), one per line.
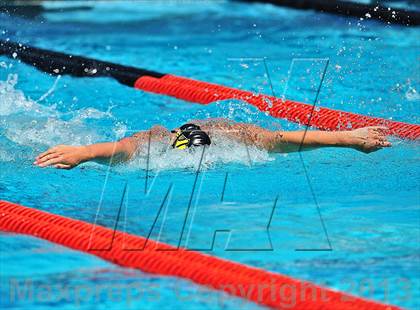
(200, 92)
(254, 284)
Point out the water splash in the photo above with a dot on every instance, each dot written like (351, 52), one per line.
(407, 90)
(51, 90)
(222, 151)
(411, 94)
(27, 123)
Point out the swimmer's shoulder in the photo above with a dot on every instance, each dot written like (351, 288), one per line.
(211, 124)
(159, 131)
(156, 131)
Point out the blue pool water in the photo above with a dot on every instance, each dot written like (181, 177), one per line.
(369, 203)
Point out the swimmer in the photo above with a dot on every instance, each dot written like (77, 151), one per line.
(198, 133)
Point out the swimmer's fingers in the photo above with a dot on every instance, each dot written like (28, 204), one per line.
(55, 149)
(381, 140)
(379, 134)
(379, 137)
(45, 158)
(381, 144)
(43, 154)
(52, 150)
(50, 162)
(385, 144)
(385, 140)
(380, 130)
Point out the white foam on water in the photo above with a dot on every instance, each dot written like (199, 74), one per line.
(4, 156)
(162, 156)
(26, 122)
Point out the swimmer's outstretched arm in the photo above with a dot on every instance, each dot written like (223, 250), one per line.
(69, 156)
(368, 139)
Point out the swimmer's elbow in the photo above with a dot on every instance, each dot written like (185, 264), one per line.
(126, 148)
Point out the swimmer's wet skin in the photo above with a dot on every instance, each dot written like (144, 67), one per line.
(367, 140)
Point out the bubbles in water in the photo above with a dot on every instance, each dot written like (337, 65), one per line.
(407, 90)
(222, 151)
(28, 123)
(411, 94)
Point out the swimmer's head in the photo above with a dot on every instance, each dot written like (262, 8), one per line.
(190, 135)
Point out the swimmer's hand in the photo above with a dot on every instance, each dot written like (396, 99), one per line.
(369, 139)
(63, 156)
(67, 156)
